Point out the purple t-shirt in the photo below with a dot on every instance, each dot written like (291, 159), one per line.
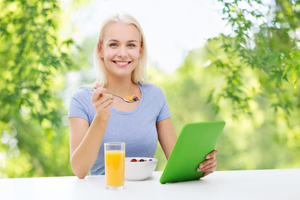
(136, 128)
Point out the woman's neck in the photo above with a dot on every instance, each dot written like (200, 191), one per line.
(120, 86)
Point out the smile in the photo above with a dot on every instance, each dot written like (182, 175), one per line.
(122, 63)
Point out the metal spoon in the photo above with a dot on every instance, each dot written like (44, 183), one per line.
(121, 97)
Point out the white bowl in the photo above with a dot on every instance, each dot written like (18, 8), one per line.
(138, 171)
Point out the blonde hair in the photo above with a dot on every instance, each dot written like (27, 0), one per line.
(139, 74)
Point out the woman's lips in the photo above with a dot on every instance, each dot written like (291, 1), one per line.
(122, 63)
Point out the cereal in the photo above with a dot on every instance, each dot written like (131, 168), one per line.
(131, 98)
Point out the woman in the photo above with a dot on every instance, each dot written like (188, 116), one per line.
(96, 117)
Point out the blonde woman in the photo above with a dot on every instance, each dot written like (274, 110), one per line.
(96, 117)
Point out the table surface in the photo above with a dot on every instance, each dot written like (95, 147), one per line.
(244, 184)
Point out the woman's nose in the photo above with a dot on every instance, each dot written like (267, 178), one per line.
(122, 52)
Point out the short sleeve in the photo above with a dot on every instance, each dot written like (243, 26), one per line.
(79, 104)
(164, 107)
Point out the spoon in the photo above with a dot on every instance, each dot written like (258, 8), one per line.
(121, 97)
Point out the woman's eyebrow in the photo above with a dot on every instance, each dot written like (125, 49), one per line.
(113, 40)
(132, 41)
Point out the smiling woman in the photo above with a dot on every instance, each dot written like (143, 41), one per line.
(120, 56)
(133, 37)
(95, 117)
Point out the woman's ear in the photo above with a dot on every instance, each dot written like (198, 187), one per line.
(100, 50)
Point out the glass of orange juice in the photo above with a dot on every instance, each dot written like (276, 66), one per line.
(114, 165)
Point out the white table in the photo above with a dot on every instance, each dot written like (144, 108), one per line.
(245, 184)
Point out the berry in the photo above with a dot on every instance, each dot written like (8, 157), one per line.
(134, 98)
(142, 160)
(133, 160)
(150, 159)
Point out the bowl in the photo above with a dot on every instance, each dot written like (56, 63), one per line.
(139, 171)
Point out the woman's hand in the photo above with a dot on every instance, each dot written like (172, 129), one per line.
(209, 165)
(102, 102)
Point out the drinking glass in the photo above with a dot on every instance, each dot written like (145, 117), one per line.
(114, 165)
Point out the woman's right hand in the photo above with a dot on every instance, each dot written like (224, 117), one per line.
(102, 102)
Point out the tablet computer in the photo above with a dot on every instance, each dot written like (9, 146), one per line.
(195, 141)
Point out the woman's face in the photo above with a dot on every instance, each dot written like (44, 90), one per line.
(121, 49)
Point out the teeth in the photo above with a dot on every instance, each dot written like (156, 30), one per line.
(122, 63)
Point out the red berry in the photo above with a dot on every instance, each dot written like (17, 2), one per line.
(133, 160)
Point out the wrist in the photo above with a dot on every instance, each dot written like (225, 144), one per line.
(102, 119)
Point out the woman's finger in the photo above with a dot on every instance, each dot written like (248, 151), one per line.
(212, 154)
(98, 85)
(107, 97)
(98, 93)
(106, 104)
(102, 103)
(210, 165)
(206, 165)
(206, 162)
(211, 169)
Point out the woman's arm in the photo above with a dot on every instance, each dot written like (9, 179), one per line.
(166, 136)
(85, 141)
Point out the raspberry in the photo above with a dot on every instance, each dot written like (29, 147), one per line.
(133, 160)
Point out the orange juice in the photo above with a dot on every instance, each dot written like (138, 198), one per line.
(114, 168)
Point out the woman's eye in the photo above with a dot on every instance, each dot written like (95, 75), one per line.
(131, 45)
(113, 45)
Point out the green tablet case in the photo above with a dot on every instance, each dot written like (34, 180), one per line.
(195, 141)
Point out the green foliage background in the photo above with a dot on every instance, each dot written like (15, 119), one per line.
(249, 78)
(33, 59)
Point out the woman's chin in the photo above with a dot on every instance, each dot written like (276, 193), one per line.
(122, 74)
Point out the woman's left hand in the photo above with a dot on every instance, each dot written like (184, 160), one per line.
(209, 165)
